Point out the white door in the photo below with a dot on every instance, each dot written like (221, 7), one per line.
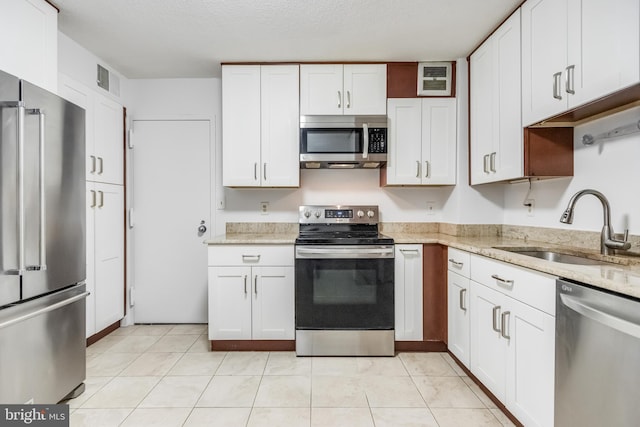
(230, 303)
(439, 141)
(458, 318)
(408, 293)
(273, 303)
(365, 89)
(171, 196)
(321, 89)
(405, 133)
(108, 137)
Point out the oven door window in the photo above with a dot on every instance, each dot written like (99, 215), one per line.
(331, 141)
(344, 294)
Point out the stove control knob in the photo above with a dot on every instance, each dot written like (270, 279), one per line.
(307, 214)
(360, 214)
(317, 214)
(370, 214)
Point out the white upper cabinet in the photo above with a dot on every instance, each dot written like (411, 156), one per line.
(260, 126)
(336, 89)
(575, 51)
(29, 30)
(422, 141)
(495, 120)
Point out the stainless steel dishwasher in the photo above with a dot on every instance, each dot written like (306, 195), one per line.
(597, 357)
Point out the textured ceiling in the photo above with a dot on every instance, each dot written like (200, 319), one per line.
(190, 38)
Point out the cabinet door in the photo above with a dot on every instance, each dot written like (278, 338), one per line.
(241, 125)
(365, 89)
(230, 303)
(439, 141)
(488, 352)
(458, 316)
(405, 146)
(280, 128)
(321, 89)
(507, 102)
(603, 47)
(408, 293)
(481, 112)
(29, 30)
(273, 303)
(530, 364)
(109, 253)
(109, 141)
(544, 54)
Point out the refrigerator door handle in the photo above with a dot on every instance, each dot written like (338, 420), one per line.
(43, 207)
(19, 106)
(46, 309)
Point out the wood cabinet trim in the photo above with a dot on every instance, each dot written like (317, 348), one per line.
(434, 303)
(253, 345)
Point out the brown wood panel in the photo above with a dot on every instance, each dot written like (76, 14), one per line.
(103, 333)
(434, 305)
(402, 80)
(253, 345)
(548, 152)
(486, 391)
(421, 346)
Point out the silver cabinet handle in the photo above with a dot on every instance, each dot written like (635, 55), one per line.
(264, 171)
(255, 171)
(100, 165)
(501, 280)
(504, 321)
(492, 162)
(245, 284)
(255, 285)
(426, 168)
(417, 168)
(485, 160)
(101, 204)
(461, 299)
(556, 85)
(339, 100)
(93, 164)
(93, 199)
(496, 309)
(570, 80)
(456, 263)
(348, 99)
(246, 258)
(409, 251)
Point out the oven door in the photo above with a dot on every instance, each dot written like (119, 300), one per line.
(344, 287)
(331, 140)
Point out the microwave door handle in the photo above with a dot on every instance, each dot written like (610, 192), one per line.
(365, 140)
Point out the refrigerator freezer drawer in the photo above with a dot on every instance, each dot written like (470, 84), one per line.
(43, 355)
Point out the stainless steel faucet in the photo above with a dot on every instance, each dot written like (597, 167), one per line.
(607, 241)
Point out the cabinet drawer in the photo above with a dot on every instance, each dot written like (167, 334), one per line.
(229, 255)
(530, 287)
(458, 261)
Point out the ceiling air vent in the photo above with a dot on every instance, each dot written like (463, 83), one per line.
(434, 79)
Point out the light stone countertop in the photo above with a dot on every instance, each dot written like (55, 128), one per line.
(622, 275)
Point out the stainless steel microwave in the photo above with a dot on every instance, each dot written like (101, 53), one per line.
(343, 142)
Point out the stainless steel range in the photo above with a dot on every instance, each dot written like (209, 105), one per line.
(344, 272)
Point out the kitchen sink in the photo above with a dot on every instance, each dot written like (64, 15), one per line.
(554, 256)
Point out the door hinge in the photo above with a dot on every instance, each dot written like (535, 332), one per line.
(130, 218)
(132, 295)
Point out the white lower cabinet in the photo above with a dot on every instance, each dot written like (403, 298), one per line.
(408, 293)
(501, 325)
(105, 255)
(512, 337)
(251, 293)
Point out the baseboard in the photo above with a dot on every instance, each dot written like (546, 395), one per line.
(253, 345)
(103, 333)
(421, 346)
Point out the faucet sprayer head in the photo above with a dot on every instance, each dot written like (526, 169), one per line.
(567, 216)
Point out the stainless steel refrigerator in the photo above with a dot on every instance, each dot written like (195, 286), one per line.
(42, 244)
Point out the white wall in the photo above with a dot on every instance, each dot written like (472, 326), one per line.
(611, 167)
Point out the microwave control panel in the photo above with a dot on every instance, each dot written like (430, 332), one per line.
(377, 140)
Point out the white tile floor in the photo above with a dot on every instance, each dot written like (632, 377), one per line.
(164, 375)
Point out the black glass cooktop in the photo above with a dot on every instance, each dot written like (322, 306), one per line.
(341, 234)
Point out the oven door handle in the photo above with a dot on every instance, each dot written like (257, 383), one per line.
(345, 252)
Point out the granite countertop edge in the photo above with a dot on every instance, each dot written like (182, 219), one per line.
(616, 277)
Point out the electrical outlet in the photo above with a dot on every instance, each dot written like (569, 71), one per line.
(431, 208)
(264, 208)
(530, 204)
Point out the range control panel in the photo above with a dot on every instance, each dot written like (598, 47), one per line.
(357, 214)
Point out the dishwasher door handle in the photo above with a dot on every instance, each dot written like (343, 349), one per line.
(600, 316)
